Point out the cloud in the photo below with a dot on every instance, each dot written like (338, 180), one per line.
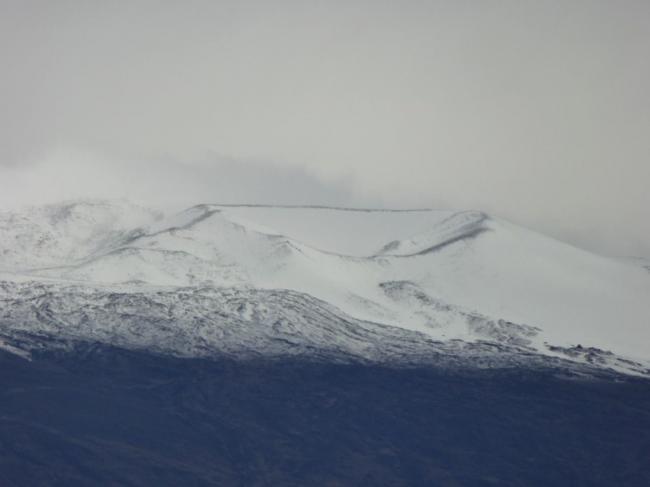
(534, 111)
(167, 183)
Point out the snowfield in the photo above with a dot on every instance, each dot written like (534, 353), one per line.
(380, 285)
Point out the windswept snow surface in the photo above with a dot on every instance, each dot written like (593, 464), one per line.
(438, 277)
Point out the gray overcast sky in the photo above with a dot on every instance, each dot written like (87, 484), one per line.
(538, 112)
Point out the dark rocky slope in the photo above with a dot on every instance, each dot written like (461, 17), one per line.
(104, 416)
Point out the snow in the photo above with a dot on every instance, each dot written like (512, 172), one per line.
(455, 227)
(61, 234)
(340, 231)
(445, 275)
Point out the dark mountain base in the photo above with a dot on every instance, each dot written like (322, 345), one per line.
(102, 416)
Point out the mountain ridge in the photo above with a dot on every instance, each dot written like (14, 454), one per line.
(447, 276)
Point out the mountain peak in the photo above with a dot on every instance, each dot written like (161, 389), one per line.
(435, 274)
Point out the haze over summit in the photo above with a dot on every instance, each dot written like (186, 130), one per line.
(535, 112)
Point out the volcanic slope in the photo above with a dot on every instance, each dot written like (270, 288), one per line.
(419, 276)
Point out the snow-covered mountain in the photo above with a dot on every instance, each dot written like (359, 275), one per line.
(452, 288)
